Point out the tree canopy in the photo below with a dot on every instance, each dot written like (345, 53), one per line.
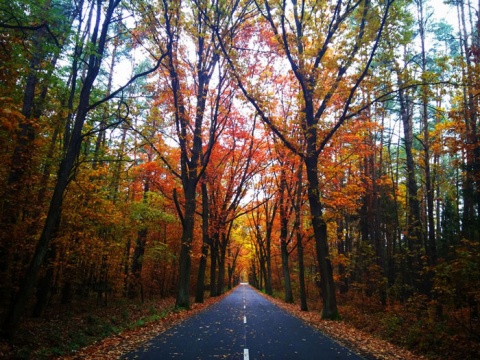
(327, 150)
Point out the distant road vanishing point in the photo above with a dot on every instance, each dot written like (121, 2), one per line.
(244, 325)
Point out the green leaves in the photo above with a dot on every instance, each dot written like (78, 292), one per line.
(148, 212)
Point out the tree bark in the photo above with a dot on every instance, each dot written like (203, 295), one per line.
(200, 291)
(327, 285)
(414, 231)
(471, 183)
(213, 263)
(283, 238)
(221, 264)
(135, 284)
(298, 232)
(430, 246)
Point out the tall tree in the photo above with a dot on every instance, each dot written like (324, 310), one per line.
(192, 27)
(235, 161)
(42, 32)
(103, 19)
(312, 38)
(470, 45)
(430, 246)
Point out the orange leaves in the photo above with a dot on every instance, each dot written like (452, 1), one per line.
(149, 168)
(345, 200)
(448, 137)
(343, 166)
(10, 117)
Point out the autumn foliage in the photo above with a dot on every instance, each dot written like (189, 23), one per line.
(327, 152)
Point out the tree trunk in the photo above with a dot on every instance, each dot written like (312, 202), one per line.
(262, 267)
(189, 131)
(286, 273)
(200, 291)
(301, 274)
(471, 184)
(268, 262)
(20, 164)
(137, 263)
(213, 264)
(341, 248)
(430, 246)
(44, 286)
(52, 221)
(330, 310)
(221, 264)
(414, 233)
(183, 287)
(135, 284)
(283, 238)
(231, 269)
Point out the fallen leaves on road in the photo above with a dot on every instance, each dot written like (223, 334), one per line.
(358, 341)
(115, 346)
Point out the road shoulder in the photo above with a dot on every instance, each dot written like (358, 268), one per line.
(364, 344)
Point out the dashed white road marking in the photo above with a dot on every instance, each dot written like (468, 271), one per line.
(246, 355)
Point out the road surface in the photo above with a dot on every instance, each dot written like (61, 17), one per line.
(244, 325)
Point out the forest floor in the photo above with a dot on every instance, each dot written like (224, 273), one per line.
(361, 342)
(93, 332)
(108, 333)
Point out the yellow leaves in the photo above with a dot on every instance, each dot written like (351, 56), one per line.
(448, 137)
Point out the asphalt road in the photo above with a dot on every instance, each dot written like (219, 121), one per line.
(244, 325)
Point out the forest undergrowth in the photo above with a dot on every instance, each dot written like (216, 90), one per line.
(90, 331)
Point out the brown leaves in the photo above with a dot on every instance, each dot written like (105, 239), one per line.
(360, 342)
(9, 116)
(85, 331)
(129, 340)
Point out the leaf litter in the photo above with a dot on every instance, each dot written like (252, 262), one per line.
(129, 340)
(360, 342)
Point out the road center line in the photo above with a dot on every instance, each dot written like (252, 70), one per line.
(245, 354)
(244, 319)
